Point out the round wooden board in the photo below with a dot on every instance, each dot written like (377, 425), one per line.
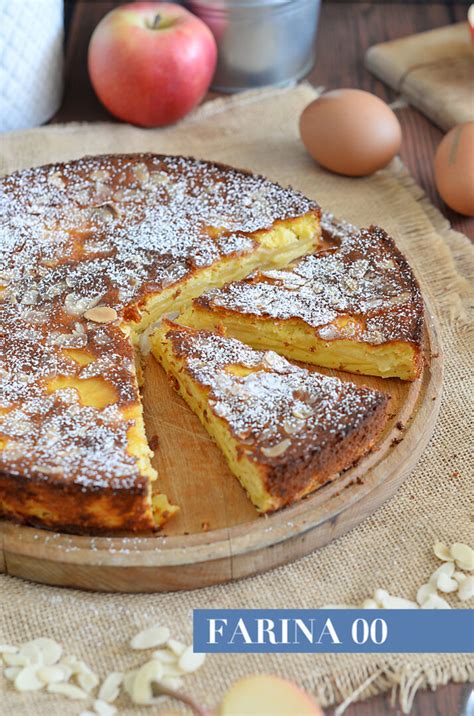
(218, 535)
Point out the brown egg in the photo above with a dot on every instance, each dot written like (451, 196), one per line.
(350, 132)
(454, 168)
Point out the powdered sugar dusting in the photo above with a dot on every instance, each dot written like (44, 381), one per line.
(103, 231)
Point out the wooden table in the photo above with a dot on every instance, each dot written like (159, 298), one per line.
(346, 30)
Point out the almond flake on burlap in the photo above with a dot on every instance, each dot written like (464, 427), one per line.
(393, 549)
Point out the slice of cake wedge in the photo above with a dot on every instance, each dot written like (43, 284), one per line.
(354, 305)
(284, 430)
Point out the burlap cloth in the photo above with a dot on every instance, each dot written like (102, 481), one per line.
(391, 549)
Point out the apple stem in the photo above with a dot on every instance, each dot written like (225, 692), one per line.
(156, 22)
(184, 698)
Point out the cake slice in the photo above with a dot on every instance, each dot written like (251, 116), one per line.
(283, 429)
(354, 305)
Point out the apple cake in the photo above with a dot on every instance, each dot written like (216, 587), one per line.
(93, 251)
(284, 430)
(352, 305)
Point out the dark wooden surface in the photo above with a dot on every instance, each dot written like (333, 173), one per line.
(346, 30)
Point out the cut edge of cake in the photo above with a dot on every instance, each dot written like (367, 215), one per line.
(344, 342)
(277, 246)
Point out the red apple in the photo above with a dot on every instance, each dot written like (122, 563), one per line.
(265, 695)
(150, 63)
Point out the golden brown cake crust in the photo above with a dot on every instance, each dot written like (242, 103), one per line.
(101, 232)
(56, 505)
(298, 427)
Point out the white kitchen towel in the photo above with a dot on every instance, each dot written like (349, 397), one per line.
(31, 61)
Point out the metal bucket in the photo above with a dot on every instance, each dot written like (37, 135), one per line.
(266, 42)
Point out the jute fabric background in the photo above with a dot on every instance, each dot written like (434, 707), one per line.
(392, 549)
